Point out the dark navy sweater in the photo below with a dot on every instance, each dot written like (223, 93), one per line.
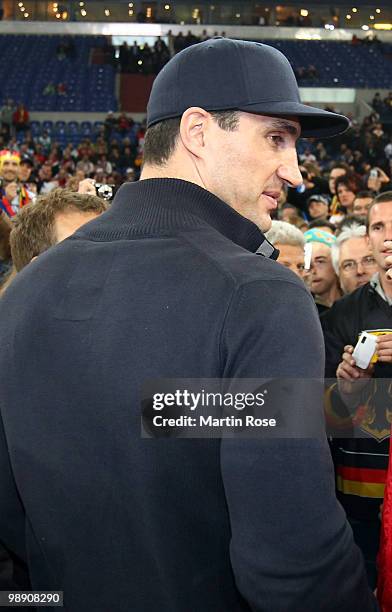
(165, 284)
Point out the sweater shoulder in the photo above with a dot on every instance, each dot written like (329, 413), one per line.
(240, 266)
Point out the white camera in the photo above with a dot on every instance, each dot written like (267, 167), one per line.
(364, 350)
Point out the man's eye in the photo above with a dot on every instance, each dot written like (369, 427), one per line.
(277, 139)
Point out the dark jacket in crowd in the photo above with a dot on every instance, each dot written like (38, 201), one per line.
(166, 284)
(361, 463)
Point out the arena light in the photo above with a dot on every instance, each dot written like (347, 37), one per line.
(237, 15)
(64, 15)
(365, 27)
(383, 26)
(130, 12)
(348, 16)
(371, 17)
(149, 12)
(304, 12)
(354, 10)
(20, 4)
(378, 11)
(26, 15)
(329, 26)
(140, 62)
(167, 7)
(107, 12)
(81, 3)
(83, 13)
(58, 15)
(130, 5)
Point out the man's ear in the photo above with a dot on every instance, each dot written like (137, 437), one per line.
(193, 128)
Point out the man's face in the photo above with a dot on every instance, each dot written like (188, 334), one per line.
(24, 172)
(322, 274)
(66, 223)
(345, 196)
(380, 229)
(46, 172)
(356, 264)
(247, 167)
(361, 206)
(10, 169)
(292, 257)
(318, 210)
(333, 175)
(287, 214)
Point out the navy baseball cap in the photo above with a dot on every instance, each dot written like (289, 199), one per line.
(318, 197)
(225, 74)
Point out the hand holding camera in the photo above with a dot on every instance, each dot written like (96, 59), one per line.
(351, 378)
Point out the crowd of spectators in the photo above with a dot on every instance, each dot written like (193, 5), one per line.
(146, 59)
(382, 105)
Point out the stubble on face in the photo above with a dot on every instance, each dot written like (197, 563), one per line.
(244, 163)
(380, 230)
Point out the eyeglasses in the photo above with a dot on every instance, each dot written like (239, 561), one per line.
(350, 266)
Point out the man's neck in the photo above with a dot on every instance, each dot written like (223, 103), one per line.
(329, 297)
(386, 284)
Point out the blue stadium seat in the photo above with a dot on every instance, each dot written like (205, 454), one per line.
(48, 126)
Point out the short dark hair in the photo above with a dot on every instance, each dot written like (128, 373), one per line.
(321, 223)
(380, 199)
(161, 139)
(33, 226)
(342, 165)
(364, 194)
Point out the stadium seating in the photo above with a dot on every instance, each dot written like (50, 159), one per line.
(341, 64)
(29, 63)
(74, 131)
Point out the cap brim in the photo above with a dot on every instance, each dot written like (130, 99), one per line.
(315, 122)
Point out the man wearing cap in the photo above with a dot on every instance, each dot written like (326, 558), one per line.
(176, 280)
(318, 207)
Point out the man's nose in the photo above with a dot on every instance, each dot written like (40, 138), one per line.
(289, 172)
(360, 268)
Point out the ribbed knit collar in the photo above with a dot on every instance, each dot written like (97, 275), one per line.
(156, 204)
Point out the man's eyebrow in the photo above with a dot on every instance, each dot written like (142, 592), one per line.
(281, 124)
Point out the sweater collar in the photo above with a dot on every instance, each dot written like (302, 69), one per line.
(158, 201)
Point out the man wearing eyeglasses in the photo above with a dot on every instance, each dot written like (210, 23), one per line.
(362, 396)
(352, 258)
